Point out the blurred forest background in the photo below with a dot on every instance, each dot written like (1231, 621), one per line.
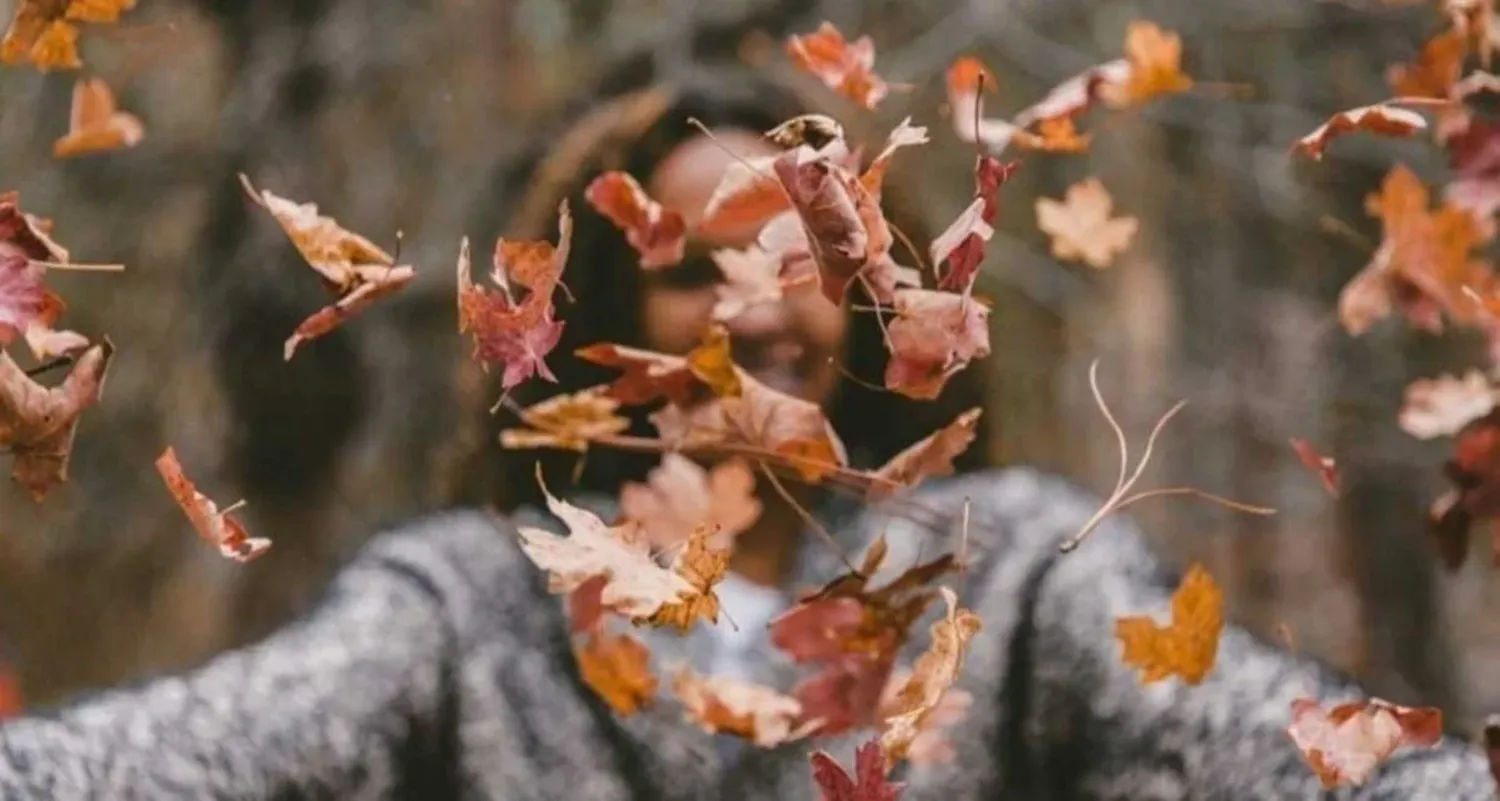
(404, 115)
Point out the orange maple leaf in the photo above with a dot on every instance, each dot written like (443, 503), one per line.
(1081, 226)
(45, 32)
(617, 667)
(1188, 645)
(568, 421)
(844, 66)
(1155, 58)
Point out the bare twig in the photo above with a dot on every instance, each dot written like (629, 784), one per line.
(1121, 497)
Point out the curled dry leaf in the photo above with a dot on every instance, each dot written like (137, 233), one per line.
(352, 267)
(934, 336)
(703, 566)
(647, 375)
(903, 135)
(868, 782)
(1474, 156)
(45, 32)
(26, 305)
(1321, 466)
(516, 335)
(1381, 118)
(617, 668)
(219, 529)
(931, 678)
(931, 457)
(22, 293)
(965, 255)
(1186, 647)
(1442, 406)
(843, 66)
(1347, 744)
(95, 124)
(931, 746)
(679, 496)
(1054, 135)
(1081, 226)
(969, 227)
(43, 336)
(658, 234)
(569, 421)
(38, 424)
(1423, 264)
(723, 705)
(711, 363)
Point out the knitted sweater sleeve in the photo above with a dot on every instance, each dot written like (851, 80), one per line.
(411, 652)
(1057, 715)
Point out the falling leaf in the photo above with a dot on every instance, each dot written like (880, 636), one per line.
(970, 225)
(679, 496)
(647, 375)
(1321, 466)
(1081, 226)
(853, 633)
(1442, 406)
(1435, 71)
(1188, 646)
(703, 566)
(843, 66)
(1474, 472)
(711, 363)
(569, 421)
(585, 606)
(45, 32)
(1423, 263)
(965, 104)
(1054, 135)
(903, 135)
(1155, 59)
(658, 234)
(931, 678)
(724, 705)
(352, 267)
(868, 782)
(618, 669)
(22, 294)
(38, 424)
(931, 746)
(1349, 742)
(747, 195)
(95, 125)
(219, 529)
(934, 336)
(517, 336)
(1474, 156)
(965, 256)
(931, 457)
(1380, 118)
(751, 277)
(637, 586)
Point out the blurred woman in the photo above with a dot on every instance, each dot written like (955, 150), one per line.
(439, 666)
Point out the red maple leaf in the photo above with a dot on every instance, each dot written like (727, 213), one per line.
(990, 174)
(868, 782)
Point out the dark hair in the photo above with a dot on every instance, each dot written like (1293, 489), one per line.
(606, 283)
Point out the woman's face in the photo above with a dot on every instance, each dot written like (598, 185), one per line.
(791, 345)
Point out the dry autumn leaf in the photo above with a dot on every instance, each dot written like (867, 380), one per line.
(1321, 466)
(569, 421)
(1474, 472)
(931, 746)
(1347, 744)
(868, 782)
(723, 705)
(965, 256)
(903, 135)
(843, 66)
(38, 424)
(751, 277)
(352, 267)
(1442, 406)
(45, 32)
(679, 496)
(1054, 135)
(1188, 646)
(42, 335)
(516, 335)
(637, 586)
(658, 234)
(218, 528)
(931, 678)
(647, 375)
(95, 124)
(702, 566)
(931, 457)
(617, 668)
(1423, 264)
(1381, 118)
(1155, 59)
(1081, 226)
(1435, 71)
(934, 336)
(711, 362)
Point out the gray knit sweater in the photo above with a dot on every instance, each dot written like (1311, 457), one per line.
(437, 667)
